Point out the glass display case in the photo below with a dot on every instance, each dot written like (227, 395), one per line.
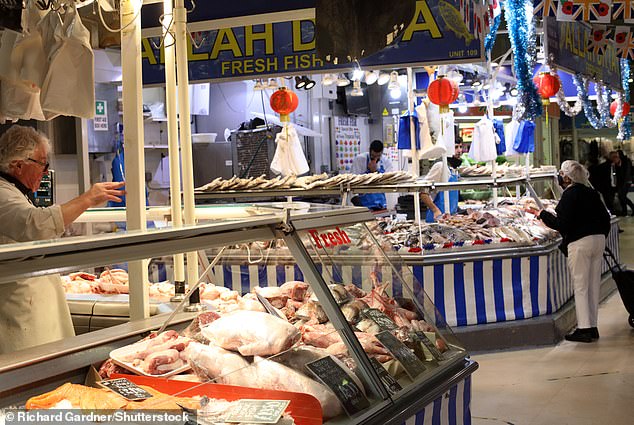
(367, 347)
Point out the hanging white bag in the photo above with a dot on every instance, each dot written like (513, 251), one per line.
(24, 71)
(289, 157)
(69, 86)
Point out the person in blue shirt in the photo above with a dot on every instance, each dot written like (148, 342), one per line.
(371, 162)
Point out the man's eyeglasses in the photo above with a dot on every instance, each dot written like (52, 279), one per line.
(43, 164)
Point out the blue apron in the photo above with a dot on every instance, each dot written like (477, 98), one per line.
(374, 201)
(439, 200)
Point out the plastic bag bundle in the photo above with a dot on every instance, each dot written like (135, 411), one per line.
(48, 69)
(289, 157)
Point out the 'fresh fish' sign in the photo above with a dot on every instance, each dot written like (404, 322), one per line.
(440, 32)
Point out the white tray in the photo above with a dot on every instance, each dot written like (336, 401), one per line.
(119, 353)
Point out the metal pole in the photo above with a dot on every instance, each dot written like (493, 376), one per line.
(412, 134)
(494, 174)
(172, 141)
(180, 29)
(132, 85)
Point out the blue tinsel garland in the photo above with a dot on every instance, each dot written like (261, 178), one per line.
(520, 22)
(489, 40)
(603, 104)
(625, 129)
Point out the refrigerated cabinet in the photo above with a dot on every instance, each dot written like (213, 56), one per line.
(433, 371)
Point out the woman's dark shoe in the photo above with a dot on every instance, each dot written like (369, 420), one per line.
(594, 333)
(580, 335)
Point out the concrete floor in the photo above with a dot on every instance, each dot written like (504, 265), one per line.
(567, 384)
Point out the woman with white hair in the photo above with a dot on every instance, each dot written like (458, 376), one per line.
(33, 311)
(584, 223)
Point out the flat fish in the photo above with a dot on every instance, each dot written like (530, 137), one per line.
(453, 21)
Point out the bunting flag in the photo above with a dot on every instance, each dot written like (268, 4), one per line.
(495, 9)
(623, 42)
(623, 9)
(599, 11)
(599, 38)
(545, 7)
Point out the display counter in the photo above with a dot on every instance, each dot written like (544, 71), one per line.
(402, 360)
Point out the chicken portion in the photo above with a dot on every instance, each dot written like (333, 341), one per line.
(252, 333)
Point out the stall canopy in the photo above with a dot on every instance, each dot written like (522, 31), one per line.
(252, 39)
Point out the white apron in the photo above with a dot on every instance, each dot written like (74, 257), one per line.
(32, 311)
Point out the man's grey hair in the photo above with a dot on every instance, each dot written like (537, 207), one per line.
(19, 143)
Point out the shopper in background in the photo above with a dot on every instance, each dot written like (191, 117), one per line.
(456, 160)
(34, 311)
(584, 223)
(624, 175)
(601, 178)
(371, 162)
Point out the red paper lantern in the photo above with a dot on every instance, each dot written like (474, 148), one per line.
(547, 85)
(626, 109)
(443, 91)
(284, 102)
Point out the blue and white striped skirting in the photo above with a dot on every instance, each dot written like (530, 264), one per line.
(451, 408)
(465, 293)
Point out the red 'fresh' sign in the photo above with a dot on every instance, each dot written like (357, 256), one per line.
(329, 239)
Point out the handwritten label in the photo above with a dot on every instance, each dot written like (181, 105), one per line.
(257, 411)
(388, 380)
(436, 354)
(412, 365)
(337, 379)
(126, 389)
(268, 306)
(381, 319)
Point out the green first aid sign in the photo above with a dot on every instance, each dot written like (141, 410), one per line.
(101, 115)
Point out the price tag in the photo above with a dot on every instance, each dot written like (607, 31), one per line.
(402, 353)
(126, 389)
(334, 377)
(388, 380)
(436, 354)
(257, 411)
(380, 318)
(268, 306)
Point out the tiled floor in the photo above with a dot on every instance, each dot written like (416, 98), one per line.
(568, 384)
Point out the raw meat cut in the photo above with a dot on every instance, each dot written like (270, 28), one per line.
(161, 362)
(252, 333)
(274, 376)
(215, 363)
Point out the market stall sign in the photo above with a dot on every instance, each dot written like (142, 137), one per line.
(433, 350)
(402, 353)
(381, 319)
(257, 411)
(127, 389)
(271, 47)
(567, 42)
(329, 239)
(328, 371)
(388, 380)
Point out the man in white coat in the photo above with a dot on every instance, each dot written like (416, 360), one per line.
(34, 311)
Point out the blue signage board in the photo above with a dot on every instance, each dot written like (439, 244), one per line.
(436, 35)
(567, 42)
